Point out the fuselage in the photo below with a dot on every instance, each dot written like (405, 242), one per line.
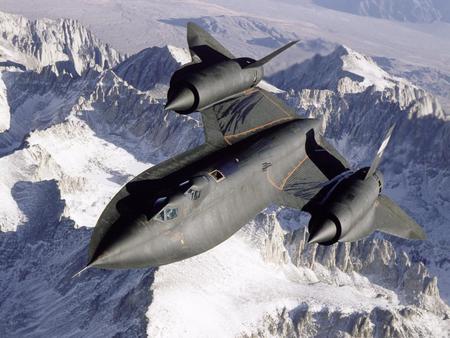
(225, 191)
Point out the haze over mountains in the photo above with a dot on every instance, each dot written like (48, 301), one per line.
(79, 119)
(131, 26)
(417, 51)
(402, 10)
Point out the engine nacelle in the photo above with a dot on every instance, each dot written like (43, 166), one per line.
(196, 86)
(345, 211)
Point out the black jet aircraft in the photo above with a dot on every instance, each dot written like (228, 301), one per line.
(257, 151)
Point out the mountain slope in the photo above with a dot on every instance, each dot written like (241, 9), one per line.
(39, 43)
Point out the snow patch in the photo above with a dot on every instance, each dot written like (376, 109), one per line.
(269, 87)
(181, 55)
(364, 66)
(92, 169)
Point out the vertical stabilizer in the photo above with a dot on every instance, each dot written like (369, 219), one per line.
(379, 155)
(202, 45)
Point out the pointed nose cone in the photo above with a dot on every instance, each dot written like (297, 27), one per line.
(322, 232)
(181, 100)
(123, 246)
(119, 255)
(125, 235)
(107, 260)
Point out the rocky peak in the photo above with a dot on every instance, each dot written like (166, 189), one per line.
(33, 44)
(344, 71)
(374, 258)
(311, 321)
(347, 74)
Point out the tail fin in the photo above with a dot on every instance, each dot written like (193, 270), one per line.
(324, 156)
(379, 155)
(269, 57)
(204, 46)
(390, 218)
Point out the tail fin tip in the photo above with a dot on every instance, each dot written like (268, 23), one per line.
(270, 56)
(377, 160)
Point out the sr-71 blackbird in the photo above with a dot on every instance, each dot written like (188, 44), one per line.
(257, 151)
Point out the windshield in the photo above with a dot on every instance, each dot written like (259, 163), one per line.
(167, 214)
(193, 193)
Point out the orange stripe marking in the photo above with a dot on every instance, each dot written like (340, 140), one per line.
(285, 179)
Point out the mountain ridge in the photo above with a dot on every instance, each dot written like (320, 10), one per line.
(34, 44)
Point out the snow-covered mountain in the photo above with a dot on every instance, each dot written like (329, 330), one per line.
(73, 137)
(63, 43)
(432, 80)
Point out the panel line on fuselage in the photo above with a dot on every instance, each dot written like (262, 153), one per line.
(256, 128)
(247, 92)
(289, 116)
(283, 109)
(285, 179)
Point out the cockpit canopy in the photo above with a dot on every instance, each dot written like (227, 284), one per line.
(191, 190)
(193, 193)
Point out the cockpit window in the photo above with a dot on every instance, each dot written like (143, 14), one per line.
(171, 213)
(160, 215)
(217, 175)
(193, 193)
(167, 214)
